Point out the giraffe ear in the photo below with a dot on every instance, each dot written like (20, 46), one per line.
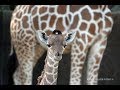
(70, 37)
(41, 37)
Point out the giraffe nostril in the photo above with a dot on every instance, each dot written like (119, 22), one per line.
(58, 54)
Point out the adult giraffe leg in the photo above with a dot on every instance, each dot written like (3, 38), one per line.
(23, 73)
(78, 56)
(97, 50)
(94, 60)
(27, 54)
(95, 57)
(27, 58)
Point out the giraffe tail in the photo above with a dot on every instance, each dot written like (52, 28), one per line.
(11, 50)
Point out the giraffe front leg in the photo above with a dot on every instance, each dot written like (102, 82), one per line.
(23, 73)
(94, 60)
(78, 56)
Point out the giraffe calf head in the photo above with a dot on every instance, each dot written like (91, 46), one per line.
(55, 42)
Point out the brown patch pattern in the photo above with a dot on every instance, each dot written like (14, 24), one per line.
(25, 24)
(74, 8)
(51, 10)
(52, 20)
(19, 14)
(86, 15)
(42, 10)
(107, 22)
(97, 15)
(83, 26)
(44, 17)
(92, 29)
(75, 22)
(43, 25)
(61, 9)
(59, 24)
(93, 6)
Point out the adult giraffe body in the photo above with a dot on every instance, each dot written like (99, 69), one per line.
(92, 24)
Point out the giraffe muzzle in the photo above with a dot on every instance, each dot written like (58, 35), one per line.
(58, 54)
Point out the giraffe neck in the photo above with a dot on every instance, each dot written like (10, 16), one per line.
(50, 70)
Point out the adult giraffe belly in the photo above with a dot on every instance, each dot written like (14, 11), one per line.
(47, 20)
(45, 17)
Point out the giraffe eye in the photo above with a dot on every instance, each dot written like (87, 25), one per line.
(48, 45)
(65, 46)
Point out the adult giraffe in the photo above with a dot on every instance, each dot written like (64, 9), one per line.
(92, 24)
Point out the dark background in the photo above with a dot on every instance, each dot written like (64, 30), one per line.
(110, 65)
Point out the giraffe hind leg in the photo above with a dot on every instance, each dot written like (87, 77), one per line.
(23, 73)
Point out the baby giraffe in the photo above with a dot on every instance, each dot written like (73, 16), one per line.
(56, 43)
